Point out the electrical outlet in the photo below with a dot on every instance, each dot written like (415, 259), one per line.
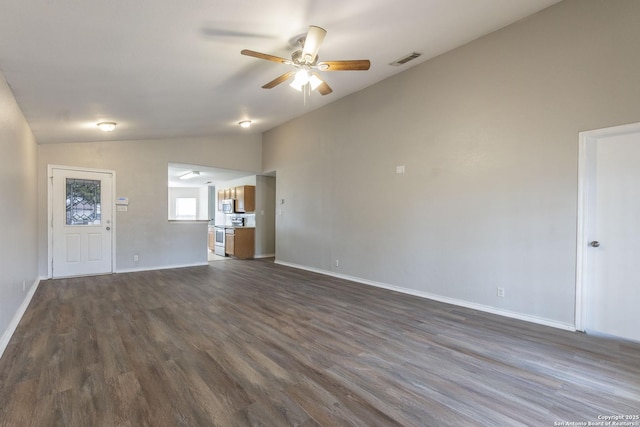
(500, 292)
(336, 263)
(135, 258)
(24, 285)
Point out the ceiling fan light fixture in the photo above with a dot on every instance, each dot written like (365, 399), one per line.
(245, 123)
(314, 82)
(106, 126)
(296, 85)
(306, 62)
(302, 77)
(190, 174)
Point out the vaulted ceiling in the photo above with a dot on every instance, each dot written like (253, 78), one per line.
(173, 68)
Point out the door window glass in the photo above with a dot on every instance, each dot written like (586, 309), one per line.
(83, 201)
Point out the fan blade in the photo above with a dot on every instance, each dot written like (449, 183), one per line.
(354, 65)
(266, 56)
(312, 43)
(324, 88)
(275, 82)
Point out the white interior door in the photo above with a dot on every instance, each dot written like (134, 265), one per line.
(81, 222)
(611, 238)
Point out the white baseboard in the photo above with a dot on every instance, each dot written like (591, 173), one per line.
(6, 337)
(162, 267)
(608, 336)
(264, 256)
(439, 298)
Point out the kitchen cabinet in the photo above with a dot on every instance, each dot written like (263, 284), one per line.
(229, 193)
(229, 242)
(211, 241)
(245, 198)
(220, 199)
(240, 242)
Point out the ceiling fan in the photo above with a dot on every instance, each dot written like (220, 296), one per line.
(305, 60)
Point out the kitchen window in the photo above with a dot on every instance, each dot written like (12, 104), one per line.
(186, 208)
(188, 204)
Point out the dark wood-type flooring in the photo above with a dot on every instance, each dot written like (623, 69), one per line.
(242, 343)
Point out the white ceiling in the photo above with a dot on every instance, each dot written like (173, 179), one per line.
(208, 176)
(172, 68)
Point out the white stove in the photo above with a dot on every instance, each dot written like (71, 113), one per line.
(219, 246)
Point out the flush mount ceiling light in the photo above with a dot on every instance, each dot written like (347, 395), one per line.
(106, 126)
(245, 123)
(189, 175)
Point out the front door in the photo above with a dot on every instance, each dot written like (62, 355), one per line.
(611, 237)
(81, 221)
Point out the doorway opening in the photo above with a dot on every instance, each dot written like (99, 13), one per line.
(197, 187)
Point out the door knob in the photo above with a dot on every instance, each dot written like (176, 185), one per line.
(108, 228)
(594, 244)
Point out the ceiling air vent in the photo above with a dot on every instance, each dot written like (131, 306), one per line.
(405, 59)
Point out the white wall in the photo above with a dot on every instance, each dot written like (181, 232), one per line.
(489, 137)
(18, 251)
(141, 175)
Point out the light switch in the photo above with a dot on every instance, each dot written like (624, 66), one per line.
(121, 208)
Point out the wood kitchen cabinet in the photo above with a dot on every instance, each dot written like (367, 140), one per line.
(220, 199)
(245, 198)
(229, 193)
(229, 242)
(244, 195)
(211, 240)
(239, 242)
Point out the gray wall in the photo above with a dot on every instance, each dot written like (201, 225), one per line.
(265, 216)
(141, 175)
(18, 251)
(489, 136)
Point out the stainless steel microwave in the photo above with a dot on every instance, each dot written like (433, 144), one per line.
(228, 206)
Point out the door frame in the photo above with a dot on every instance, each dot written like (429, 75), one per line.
(111, 197)
(586, 180)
